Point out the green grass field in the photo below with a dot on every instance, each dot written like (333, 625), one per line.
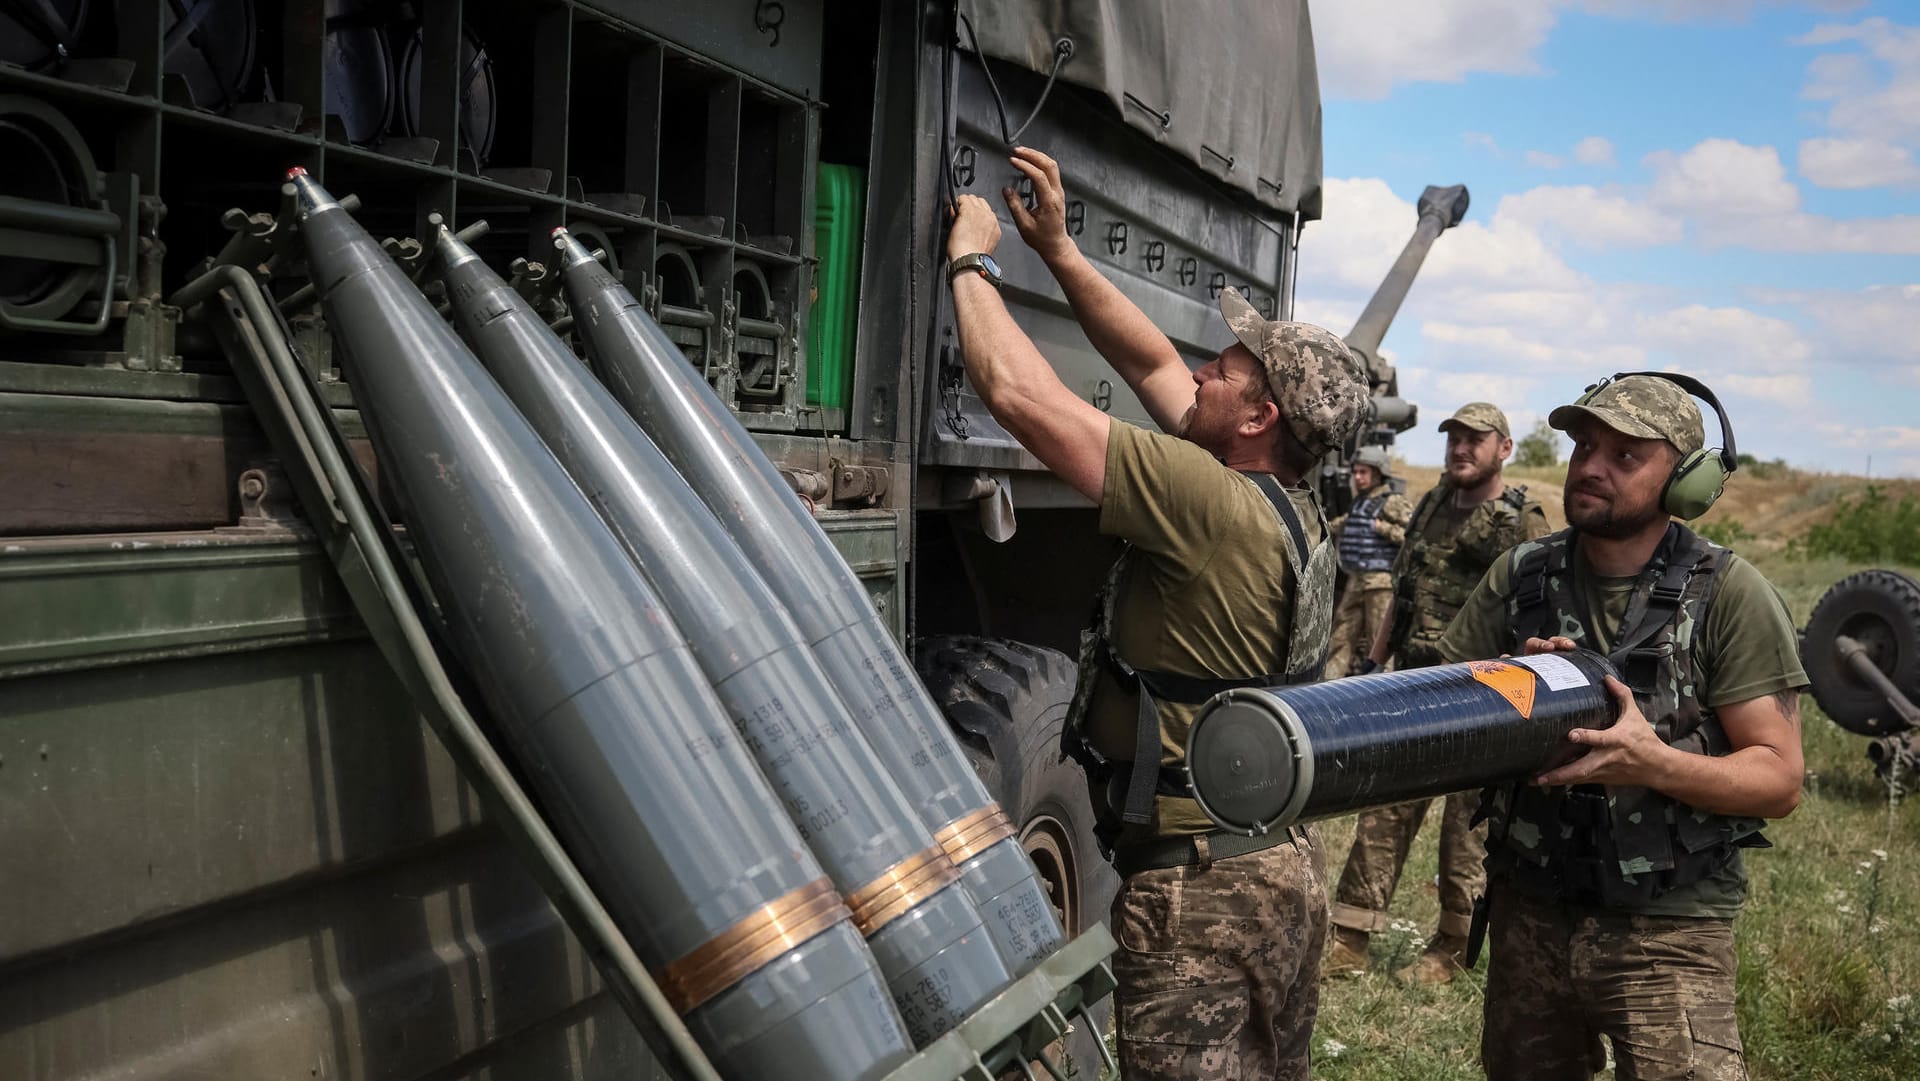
(1829, 943)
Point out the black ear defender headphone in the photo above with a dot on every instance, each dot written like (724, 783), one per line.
(1701, 476)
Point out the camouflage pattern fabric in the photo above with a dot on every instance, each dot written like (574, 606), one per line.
(1363, 608)
(1219, 967)
(1480, 417)
(1379, 853)
(1316, 380)
(1645, 842)
(1659, 989)
(1434, 576)
(1641, 406)
(1314, 577)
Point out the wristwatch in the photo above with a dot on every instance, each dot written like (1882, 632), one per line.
(980, 263)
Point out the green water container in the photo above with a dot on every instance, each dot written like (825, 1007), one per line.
(839, 200)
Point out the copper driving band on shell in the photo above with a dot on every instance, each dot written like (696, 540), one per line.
(761, 937)
(899, 888)
(971, 834)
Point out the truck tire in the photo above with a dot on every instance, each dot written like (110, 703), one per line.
(1880, 609)
(1008, 702)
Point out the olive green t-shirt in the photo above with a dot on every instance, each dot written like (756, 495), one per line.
(1748, 649)
(1206, 591)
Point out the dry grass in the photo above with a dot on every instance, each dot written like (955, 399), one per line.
(1829, 986)
(1828, 943)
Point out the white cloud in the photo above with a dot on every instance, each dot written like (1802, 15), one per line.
(1794, 391)
(1593, 150)
(1874, 91)
(1857, 163)
(1738, 195)
(1736, 338)
(1721, 179)
(1592, 218)
(1894, 439)
(1875, 325)
(1540, 159)
(1366, 47)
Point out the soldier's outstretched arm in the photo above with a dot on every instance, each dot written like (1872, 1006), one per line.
(1760, 777)
(1019, 387)
(1140, 354)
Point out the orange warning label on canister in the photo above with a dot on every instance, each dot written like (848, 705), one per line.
(1514, 683)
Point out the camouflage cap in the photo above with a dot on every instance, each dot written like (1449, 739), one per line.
(1644, 407)
(1316, 380)
(1375, 457)
(1481, 417)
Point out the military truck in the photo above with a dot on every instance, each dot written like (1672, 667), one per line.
(233, 847)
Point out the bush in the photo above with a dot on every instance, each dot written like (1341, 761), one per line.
(1754, 467)
(1725, 532)
(1538, 449)
(1867, 527)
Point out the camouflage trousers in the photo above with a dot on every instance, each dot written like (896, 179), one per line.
(1380, 844)
(1355, 622)
(1219, 966)
(1659, 988)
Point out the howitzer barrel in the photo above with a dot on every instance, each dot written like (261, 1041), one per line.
(651, 378)
(1440, 209)
(620, 734)
(1264, 759)
(902, 888)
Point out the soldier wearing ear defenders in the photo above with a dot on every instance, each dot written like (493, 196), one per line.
(1614, 879)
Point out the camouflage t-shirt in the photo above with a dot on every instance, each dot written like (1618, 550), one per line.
(1206, 592)
(1748, 649)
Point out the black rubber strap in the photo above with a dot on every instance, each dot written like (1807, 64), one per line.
(1289, 516)
(1144, 771)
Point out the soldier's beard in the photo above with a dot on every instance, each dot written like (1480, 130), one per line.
(1470, 474)
(1208, 433)
(1607, 519)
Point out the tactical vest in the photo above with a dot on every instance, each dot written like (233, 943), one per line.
(1313, 575)
(1362, 549)
(1435, 577)
(1620, 846)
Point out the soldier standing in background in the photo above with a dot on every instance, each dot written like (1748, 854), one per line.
(1459, 528)
(1369, 536)
(1615, 879)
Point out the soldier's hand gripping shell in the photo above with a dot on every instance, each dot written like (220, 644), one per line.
(1627, 753)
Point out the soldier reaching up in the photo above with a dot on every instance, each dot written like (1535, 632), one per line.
(1458, 530)
(1227, 581)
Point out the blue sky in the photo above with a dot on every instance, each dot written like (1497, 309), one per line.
(1729, 188)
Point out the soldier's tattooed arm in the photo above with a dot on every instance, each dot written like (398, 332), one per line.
(1760, 777)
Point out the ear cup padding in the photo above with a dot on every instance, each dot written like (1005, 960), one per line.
(1696, 482)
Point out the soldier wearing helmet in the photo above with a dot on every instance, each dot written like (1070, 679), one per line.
(1226, 580)
(1458, 529)
(1614, 880)
(1370, 534)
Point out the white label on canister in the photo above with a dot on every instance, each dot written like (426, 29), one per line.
(1559, 673)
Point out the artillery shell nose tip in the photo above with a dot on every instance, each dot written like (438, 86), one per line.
(296, 171)
(558, 231)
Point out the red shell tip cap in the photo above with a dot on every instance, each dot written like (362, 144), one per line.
(296, 171)
(557, 230)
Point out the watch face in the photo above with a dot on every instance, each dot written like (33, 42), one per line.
(992, 268)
